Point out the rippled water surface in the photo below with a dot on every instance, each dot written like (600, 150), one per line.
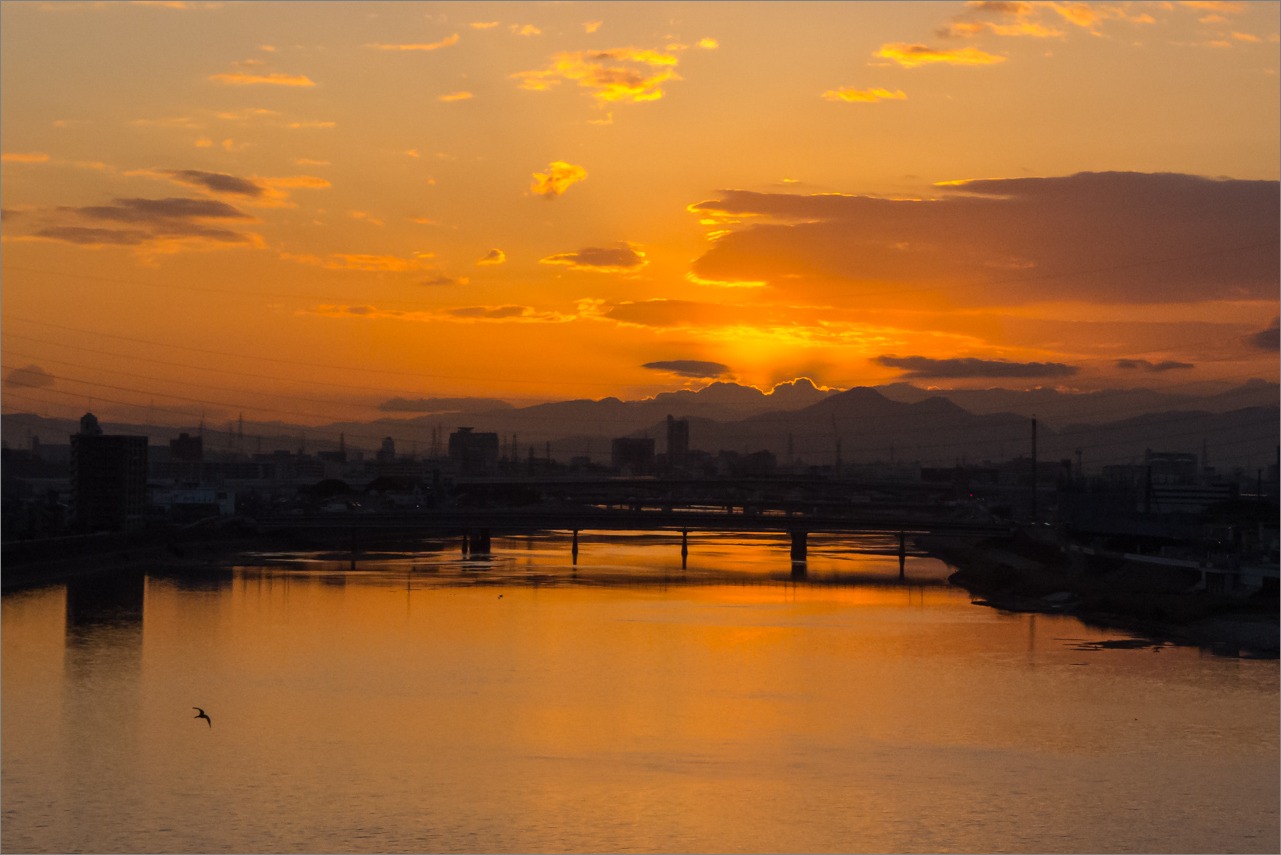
(422, 702)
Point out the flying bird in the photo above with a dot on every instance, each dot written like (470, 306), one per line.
(202, 714)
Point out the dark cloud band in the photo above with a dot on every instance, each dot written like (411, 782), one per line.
(922, 367)
(694, 368)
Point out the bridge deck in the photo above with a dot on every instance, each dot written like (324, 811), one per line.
(615, 519)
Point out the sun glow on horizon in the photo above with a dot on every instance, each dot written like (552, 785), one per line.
(537, 201)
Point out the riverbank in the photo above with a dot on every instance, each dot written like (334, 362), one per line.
(1023, 575)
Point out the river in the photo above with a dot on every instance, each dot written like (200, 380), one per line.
(421, 702)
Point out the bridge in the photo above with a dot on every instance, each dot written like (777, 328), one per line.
(476, 525)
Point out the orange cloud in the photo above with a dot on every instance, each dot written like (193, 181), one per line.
(619, 74)
(275, 78)
(173, 122)
(461, 314)
(558, 178)
(309, 182)
(455, 96)
(1213, 5)
(445, 42)
(1020, 27)
(246, 115)
(864, 96)
(913, 56)
(366, 217)
(24, 157)
(361, 262)
(494, 256)
(724, 283)
(1014, 19)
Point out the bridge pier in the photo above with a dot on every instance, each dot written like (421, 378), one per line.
(573, 550)
(684, 547)
(799, 546)
(477, 542)
(902, 554)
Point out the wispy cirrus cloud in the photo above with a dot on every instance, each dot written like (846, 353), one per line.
(363, 262)
(558, 178)
(176, 5)
(917, 55)
(625, 74)
(922, 367)
(247, 115)
(448, 41)
(864, 96)
(462, 314)
(273, 78)
(253, 72)
(623, 258)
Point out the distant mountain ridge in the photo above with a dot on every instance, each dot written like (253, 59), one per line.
(1061, 408)
(897, 423)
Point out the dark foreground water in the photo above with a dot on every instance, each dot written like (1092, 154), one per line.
(423, 703)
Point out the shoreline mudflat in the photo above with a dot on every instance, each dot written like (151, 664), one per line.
(1020, 575)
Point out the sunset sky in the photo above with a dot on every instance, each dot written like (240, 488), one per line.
(300, 211)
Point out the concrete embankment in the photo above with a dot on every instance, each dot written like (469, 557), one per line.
(1019, 574)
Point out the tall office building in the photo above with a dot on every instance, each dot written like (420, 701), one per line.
(108, 479)
(677, 441)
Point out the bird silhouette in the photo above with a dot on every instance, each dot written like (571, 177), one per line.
(202, 714)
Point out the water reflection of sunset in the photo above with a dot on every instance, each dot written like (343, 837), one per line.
(421, 702)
